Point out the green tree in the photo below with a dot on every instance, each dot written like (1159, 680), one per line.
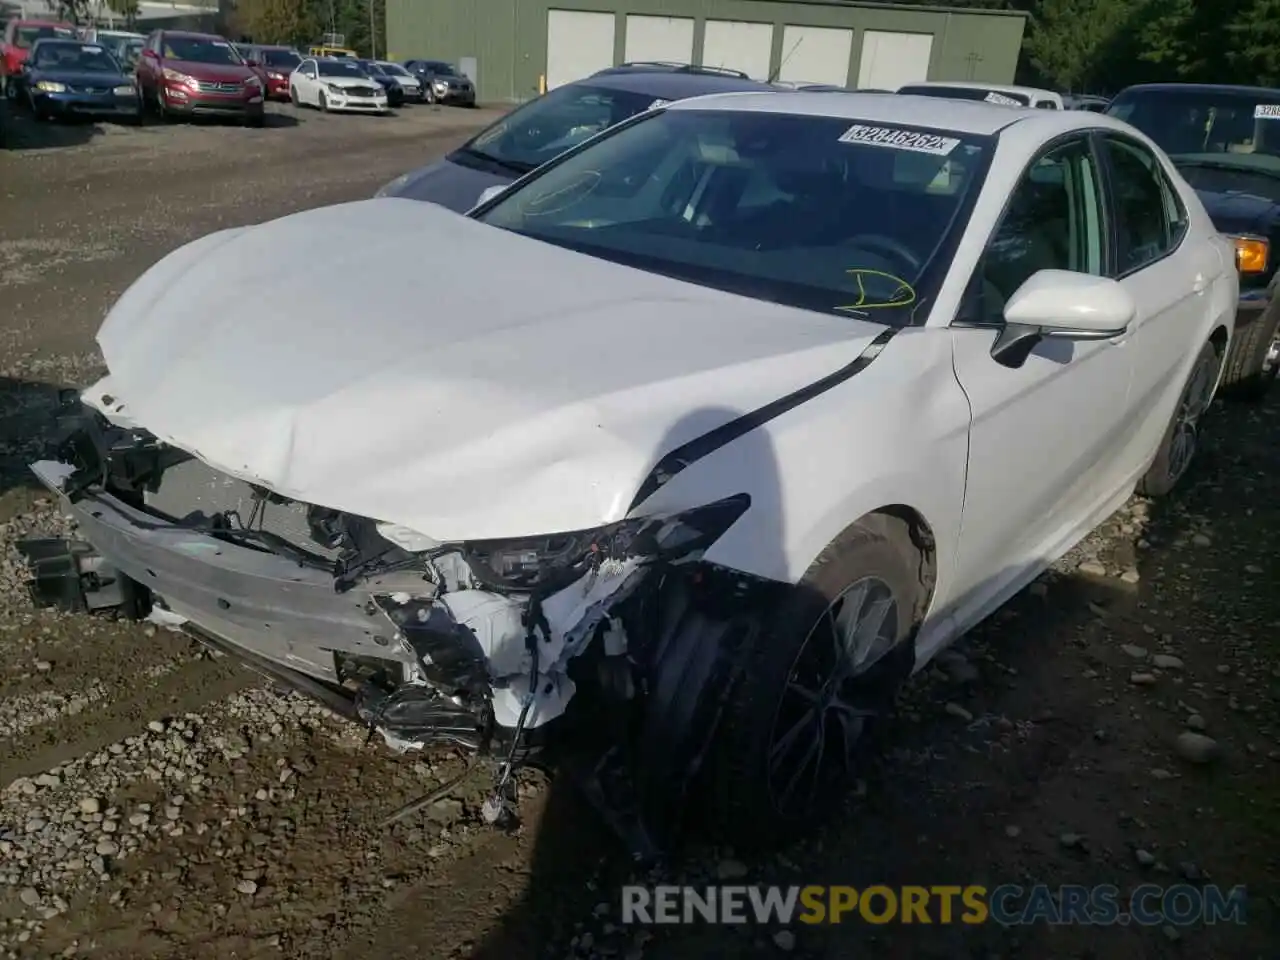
(1253, 41)
(1069, 41)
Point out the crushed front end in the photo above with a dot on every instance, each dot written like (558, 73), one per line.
(480, 644)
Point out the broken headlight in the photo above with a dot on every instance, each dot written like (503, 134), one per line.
(552, 562)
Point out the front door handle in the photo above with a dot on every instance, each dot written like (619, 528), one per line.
(1199, 284)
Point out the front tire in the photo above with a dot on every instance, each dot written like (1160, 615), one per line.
(293, 96)
(322, 103)
(825, 669)
(1253, 362)
(1181, 439)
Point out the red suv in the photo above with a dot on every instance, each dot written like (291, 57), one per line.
(273, 66)
(19, 37)
(198, 74)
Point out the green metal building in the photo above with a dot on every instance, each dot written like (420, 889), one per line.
(513, 49)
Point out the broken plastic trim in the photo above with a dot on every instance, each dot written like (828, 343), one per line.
(553, 562)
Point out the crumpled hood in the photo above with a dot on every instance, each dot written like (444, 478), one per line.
(449, 184)
(397, 361)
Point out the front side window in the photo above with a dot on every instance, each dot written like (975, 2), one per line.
(1053, 221)
(1145, 230)
(820, 213)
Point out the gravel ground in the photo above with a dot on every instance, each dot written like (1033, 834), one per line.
(160, 801)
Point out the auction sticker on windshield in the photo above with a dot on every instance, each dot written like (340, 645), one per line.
(1000, 98)
(899, 139)
(1267, 111)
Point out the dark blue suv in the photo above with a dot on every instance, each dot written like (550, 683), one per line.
(544, 128)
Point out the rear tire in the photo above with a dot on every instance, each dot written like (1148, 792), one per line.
(1251, 366)
(1181, 438)
(870, 570)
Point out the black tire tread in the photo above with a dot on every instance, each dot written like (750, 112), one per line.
(1242, 378)
(1155, 482)
(882, 546)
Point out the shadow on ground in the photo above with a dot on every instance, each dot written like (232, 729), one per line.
(1045, 754)
(27, 430)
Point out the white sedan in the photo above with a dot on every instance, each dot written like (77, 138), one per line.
(334, 84)
(707, 433)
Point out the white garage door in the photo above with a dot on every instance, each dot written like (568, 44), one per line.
(659, 38)
(816, 54)
(578, 44)
(738, 45)
(890, 60)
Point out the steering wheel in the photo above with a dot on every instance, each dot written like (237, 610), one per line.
(895, 249)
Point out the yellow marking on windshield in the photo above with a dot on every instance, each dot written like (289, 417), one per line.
(545, 204)
(903, 294)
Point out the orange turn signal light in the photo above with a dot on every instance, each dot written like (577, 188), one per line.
(1251, 254)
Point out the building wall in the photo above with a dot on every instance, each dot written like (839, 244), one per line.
(508, 38)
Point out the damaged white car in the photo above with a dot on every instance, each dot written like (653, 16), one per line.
(679, 455)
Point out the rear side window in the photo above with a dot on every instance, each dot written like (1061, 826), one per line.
(1149, 216)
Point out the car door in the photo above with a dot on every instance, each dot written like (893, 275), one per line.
(1166, 272)
(1044, 434)
(306, 81)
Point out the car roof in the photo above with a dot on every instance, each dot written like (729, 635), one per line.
(1214, 87)
(982, 85)
(667, 85)
(42, 23)
(970, 117)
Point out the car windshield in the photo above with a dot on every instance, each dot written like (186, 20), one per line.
(131, 51)
(1207, 126)
(86, 57)
(546, 127)
(1004, 97)
(820, 213)
(394, 69)
(284, 59)
(26, 37)
(442, 69)
(372, 69)
(200, 50)
(341, 68)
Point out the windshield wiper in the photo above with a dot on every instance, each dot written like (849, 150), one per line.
(515, 166)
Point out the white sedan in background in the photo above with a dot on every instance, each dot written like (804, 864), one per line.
(334, 84)
(701, 437)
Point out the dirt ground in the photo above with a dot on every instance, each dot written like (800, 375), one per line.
(158, 801)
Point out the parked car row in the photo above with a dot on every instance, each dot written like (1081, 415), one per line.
(56, 70)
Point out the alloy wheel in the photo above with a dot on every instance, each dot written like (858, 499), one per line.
(1195, 400)
(831, 695)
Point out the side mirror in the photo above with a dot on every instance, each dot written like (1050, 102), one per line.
(490, 192)
(150, 55)
(1061, 305)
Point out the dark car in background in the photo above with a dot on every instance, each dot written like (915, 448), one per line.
(70, 78)
(412, 86)
(395, 92)
(273, 64)
(442, 83)
(198, 74)
(1225, 141)
(542, 129)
